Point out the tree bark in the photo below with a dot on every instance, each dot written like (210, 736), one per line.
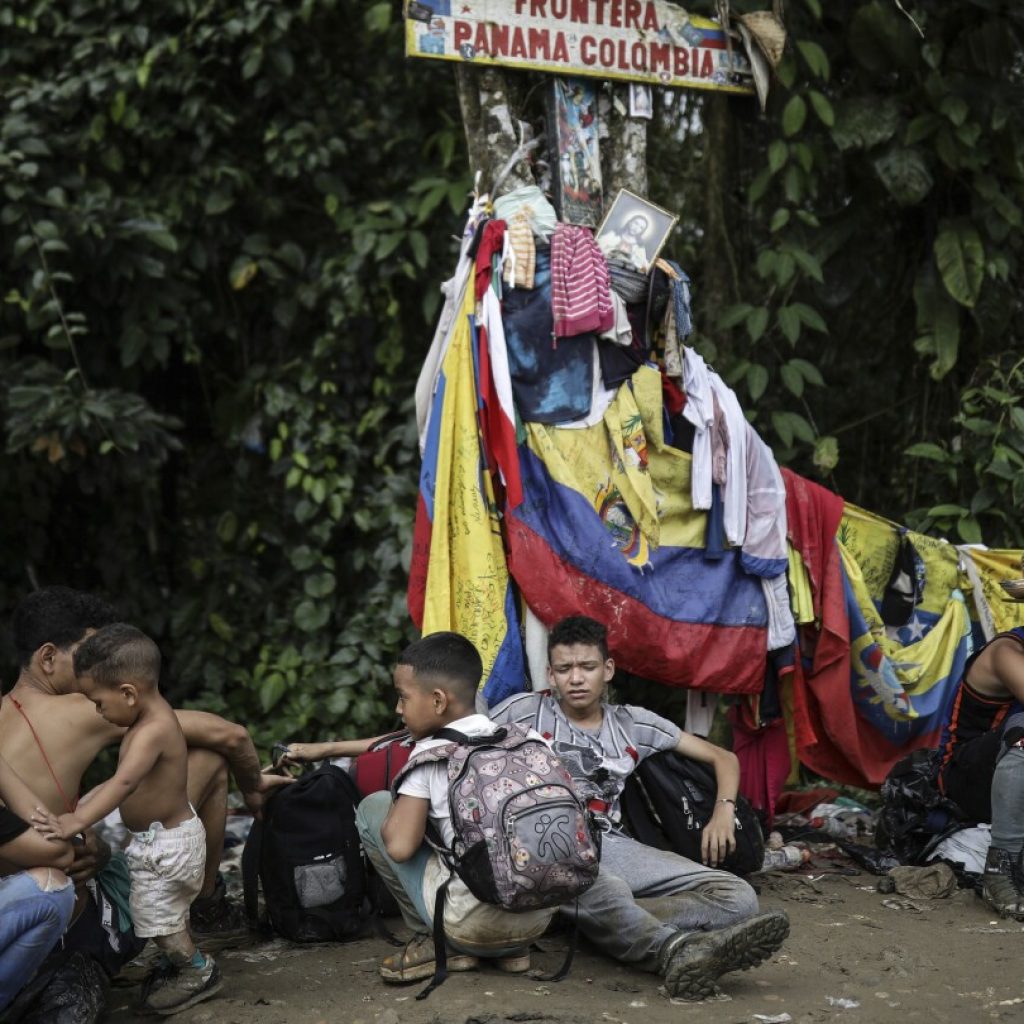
(625, 153)
(492, 126)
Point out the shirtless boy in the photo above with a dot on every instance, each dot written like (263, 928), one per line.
(118, 669)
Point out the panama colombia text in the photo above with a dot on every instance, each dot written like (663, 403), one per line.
(498, 40)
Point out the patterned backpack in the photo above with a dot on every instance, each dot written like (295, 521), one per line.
(523, 839)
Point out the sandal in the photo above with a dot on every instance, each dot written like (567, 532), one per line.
(416, 962)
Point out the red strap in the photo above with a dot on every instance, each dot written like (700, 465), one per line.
(42, 750)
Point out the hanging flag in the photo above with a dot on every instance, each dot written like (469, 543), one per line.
(458, 579)
(606, 529)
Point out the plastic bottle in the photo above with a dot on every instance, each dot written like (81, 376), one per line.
(786, 858)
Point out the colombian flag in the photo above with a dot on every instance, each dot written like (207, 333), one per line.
(459, 579)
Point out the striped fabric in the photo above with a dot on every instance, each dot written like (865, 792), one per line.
(580, 286)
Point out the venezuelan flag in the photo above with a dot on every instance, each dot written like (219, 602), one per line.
(459, 579)
(606, 529)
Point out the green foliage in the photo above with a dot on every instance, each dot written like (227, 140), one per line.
(980, 471)
(880, 246)
(222, 232)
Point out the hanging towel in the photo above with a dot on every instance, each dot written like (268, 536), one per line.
(580, 288)
(520, 268)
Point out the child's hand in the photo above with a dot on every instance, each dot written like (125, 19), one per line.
(50, 826)
(299, 753)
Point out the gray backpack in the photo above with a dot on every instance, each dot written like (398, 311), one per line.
(523, 839)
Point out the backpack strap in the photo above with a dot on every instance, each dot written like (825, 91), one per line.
(463, 740)
(440, 943)
(251, 855)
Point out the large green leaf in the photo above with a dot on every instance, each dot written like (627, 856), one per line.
(960, 257)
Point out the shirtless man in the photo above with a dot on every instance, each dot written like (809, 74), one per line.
(982, 762)
(51, 735)
(118, 669)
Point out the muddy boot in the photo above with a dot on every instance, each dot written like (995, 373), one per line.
(1001, 883)
(691, 962)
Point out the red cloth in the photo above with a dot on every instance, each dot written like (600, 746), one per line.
(764, 760)
(492, 241)
(673, 397)
(825, 721)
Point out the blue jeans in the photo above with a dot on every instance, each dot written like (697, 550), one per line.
(31, 923)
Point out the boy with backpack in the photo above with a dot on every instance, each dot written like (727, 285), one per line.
(510, 778)
(711, 924)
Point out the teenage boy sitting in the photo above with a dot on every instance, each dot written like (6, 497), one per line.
(118, 669)
(436, 679)
(712, 924)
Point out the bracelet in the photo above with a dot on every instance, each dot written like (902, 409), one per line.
(725, 800)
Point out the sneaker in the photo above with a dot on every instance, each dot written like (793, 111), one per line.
(216, 922)
(416, 962)
(1001, 886)
(692, 962)
(182, 987)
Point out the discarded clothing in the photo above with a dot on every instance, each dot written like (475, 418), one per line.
(520, 253)
(934, 882)
(488, 253)
(532, 203)
(580, 291)
(551, 382)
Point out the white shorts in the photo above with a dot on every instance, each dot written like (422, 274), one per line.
(166, 865)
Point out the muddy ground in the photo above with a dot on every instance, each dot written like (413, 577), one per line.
(850, 957)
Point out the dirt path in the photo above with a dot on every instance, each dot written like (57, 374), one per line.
(950, 960)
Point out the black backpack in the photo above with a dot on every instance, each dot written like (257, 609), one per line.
(306, 855)
(667, 801)
(915, 816)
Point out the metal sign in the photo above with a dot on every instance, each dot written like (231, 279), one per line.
(635, 40)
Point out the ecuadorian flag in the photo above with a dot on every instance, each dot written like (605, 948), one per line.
(606, 528)
(459, 579)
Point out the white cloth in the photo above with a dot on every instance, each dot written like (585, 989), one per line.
(621, 330)
(700, 411)
(166, 867)
(535, 643)
(737, 473)
(700, 712)
(969, 847)
(454, 291)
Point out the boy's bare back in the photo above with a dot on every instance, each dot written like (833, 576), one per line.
(162, 793)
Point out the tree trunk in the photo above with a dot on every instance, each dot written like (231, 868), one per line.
(625, 153)
(493, 127)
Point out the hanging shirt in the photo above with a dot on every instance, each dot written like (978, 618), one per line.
(580, 287)
(551, 382)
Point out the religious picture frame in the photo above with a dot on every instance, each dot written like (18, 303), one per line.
(575, 150)
(634, 230)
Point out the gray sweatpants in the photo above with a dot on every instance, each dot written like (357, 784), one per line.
(1008, 794)
(643, 896)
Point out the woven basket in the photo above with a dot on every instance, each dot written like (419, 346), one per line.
(630, 284)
